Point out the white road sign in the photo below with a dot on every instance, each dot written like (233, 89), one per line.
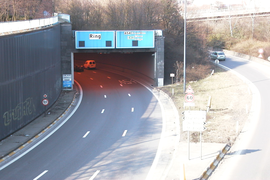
(195, 115)
(193, 125)
(194, 120)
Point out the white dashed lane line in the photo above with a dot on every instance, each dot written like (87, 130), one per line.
(132, 109)
(39, 176)
(86, 134)
(102, 111)
(129, 95)
(124, 133)
(94, 175)
(105, 96)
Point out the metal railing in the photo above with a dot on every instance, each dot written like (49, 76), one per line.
(28, 25)
(225, 12)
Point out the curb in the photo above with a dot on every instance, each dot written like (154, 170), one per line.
(38, 134)
(206, 174)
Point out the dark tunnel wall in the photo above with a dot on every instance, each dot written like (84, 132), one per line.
(30, 67)
(139, 62)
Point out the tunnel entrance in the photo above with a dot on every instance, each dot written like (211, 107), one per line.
(140, 63)
(140, 52)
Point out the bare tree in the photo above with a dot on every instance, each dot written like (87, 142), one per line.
(29, 8)
(93, 15)
(151, 13)
(170, 17)
(4, 10)
(14, 10)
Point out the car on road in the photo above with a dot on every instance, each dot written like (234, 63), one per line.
(219, 55)
(90, 64)
(78, 68)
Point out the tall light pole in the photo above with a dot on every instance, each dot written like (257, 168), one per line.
(185, 35)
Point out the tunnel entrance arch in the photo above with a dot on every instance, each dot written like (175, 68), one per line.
(128, 54)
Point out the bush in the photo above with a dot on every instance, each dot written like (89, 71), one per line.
(216, 41)
(251, 47)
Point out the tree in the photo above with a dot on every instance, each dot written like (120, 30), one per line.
(5, 10)
(29, 8)
(93, 15)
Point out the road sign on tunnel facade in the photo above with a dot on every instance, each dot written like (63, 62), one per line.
(115, 39)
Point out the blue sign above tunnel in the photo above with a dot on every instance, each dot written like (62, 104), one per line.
(94, 39)
(135, 39)
(115, 39)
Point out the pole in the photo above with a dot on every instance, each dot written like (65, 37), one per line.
(185, 24)
(201, 143)
(188, 147)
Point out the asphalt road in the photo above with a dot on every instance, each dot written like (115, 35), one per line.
(114, 134)
(249, 159)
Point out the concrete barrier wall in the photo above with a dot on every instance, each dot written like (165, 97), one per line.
(30, 70)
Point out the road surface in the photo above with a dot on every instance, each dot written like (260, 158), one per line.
(114, 134)
(250, 157)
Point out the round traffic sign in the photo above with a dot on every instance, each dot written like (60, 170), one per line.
(189, 97)
(45, 102)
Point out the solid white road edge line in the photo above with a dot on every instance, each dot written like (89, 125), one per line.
(39, 176)
(48, 135)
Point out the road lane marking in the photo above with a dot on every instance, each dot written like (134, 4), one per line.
(132, 109)
(129, 95)
(105, 96)
(102, 111)
(101, 86)
(39, 176)
(86, 134)
(109, 77)
(121, 85)
(94, 175)
(124, 134)
(50, 132)
(91, 79)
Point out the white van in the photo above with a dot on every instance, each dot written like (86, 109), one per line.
(90, 64)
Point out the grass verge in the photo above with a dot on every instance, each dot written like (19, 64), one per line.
(230, 104)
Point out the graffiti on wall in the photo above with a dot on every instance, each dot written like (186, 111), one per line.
(25, 108)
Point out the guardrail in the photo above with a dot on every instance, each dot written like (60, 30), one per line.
(225, 12)
(28, 25)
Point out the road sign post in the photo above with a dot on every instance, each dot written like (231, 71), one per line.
(194, 121)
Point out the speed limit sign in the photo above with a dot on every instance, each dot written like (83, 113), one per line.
(45, 102)
(189, 97)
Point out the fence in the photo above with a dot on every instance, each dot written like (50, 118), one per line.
(21, 26)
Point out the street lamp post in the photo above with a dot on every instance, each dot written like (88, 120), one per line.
(185, 27)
